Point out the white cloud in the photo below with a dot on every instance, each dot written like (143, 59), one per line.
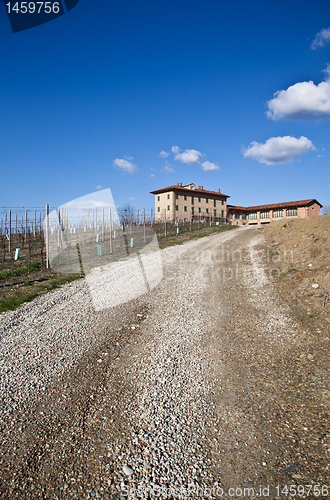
(192, 157)
(169, 169)
(131, 198)
(207, 166)
(321, 38)
(129, 158)
(320, 156)
(189, 156)
(152, 175)
(279, 150)
(302, 100)
(125, 165)
(99, 187)
(163, 154)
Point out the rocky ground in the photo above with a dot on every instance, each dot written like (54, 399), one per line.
(208, 386)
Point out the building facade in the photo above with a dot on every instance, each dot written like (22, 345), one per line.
(180, 203)
(183, 203)
(264, 214)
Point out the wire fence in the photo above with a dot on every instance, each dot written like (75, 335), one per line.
(77, 240)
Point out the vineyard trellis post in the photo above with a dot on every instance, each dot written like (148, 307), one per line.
(110, 228)
(26, 221)
(47, 236)
(9, 242)
(102, 223)
(144, 225)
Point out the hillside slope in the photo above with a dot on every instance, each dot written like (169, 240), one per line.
(300, 249)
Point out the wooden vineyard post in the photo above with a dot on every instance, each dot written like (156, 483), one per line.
(40, 224)
(144, 226)
(16, 224)
(58, 236)
(35, 223)
(26, 222)
(110, 228)
(151, 217)
(102, 223)
(165, 223)
(9, 232)
(47, 236)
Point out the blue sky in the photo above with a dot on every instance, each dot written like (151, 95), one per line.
(92, 98)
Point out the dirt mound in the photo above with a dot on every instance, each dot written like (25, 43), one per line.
(301, 250)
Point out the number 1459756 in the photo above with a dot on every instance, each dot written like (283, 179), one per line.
(31, 7)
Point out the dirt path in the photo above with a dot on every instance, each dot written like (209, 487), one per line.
(205, 384)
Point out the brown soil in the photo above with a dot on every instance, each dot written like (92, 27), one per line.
(300, 249)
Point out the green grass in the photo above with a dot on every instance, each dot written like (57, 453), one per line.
(14, 302)
(34, 266)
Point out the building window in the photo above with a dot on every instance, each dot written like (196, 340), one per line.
(207, 210)
(278, 213)
(292, 211)
(221, 202)
(244, 216)
(229, 215)
(199, 199)
(168, 207)
(214, 203)
(176, 207)
(192, 210)
(185, 197)
(207, 200)
(176, 196)
(192, 200)
(199, 210)
(214, 213)
(158, 198)
(265, 215)
(236, 216)
(253, 216)
(158, 209)
(185, 209)
(222, 213)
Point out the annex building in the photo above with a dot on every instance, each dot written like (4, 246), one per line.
(183, 203)
(264, 214)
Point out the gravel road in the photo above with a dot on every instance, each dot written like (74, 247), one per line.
(204, 387)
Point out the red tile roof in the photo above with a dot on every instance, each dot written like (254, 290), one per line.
(184, 190)
(288, 204)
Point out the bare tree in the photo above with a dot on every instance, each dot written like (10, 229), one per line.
(325, 210)
(127, 213)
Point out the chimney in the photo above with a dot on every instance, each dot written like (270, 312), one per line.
(218, 190)
(177, 184)
(180, 184)
(200, 187)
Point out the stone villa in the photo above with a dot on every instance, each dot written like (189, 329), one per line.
(182, 203)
